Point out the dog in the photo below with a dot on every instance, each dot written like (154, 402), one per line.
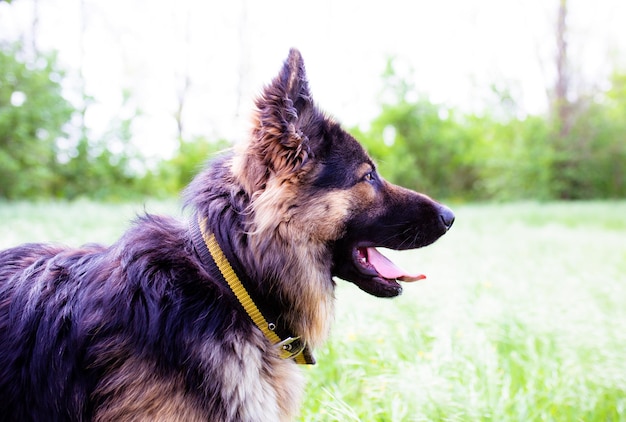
(208, 319)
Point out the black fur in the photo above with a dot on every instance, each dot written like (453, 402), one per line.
(67, 316)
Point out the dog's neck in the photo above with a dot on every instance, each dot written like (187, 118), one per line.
(220, 261)
(283, 263)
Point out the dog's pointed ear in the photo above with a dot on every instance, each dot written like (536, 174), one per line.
(279, 144)
(291, 84)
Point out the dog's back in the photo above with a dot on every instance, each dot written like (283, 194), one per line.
(135, 331)
(40, 373)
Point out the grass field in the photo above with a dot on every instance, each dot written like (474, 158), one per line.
(522, 317)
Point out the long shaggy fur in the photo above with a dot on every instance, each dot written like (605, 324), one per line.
(140, 330)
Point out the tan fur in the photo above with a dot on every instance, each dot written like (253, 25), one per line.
(255, 382)
(304, 226)
(138, 394)
(289, 220)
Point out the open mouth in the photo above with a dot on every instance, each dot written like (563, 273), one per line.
(374, 273)
(372, 260)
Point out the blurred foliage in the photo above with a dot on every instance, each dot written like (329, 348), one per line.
(174, 174)
(590, 159)
(32, 115)
(102, 168)
(500, 154)
(422, 145)
(45, 150)
(450, 154)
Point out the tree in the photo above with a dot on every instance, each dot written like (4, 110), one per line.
(420, 144)
(33, 114)
(561, 102)
(174, 174)
(587, 138)
(597, 145)
(102, 168)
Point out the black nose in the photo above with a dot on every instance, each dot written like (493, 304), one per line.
(447, 216)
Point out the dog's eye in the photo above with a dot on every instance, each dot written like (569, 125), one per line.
(369, 177)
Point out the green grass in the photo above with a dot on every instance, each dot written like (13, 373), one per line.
(522, 317)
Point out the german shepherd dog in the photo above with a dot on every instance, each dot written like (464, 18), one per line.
(207, 319)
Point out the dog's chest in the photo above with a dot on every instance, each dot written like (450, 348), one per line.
(255, 384)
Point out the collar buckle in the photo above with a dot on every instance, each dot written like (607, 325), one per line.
(290, 347)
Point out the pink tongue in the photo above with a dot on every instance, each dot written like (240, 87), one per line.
(388, 269)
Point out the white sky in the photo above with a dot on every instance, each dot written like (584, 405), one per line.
(230, 49)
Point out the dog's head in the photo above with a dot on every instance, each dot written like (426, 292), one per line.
(311, 184)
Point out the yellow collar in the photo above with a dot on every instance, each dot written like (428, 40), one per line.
(290, 347)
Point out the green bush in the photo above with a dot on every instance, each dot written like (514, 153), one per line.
(32, 116)
(591, 158)
(449, 154)
(419, 144)
(174, 174)
(423, 146)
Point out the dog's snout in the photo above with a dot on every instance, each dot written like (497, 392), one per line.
(447, 216)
